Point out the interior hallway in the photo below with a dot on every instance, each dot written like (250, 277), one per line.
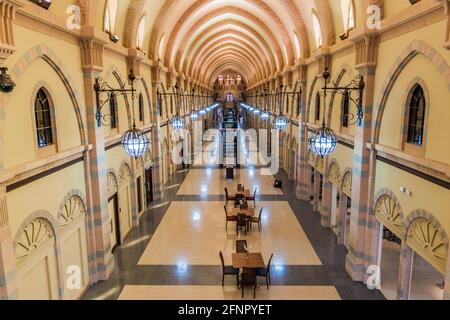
(173, 254)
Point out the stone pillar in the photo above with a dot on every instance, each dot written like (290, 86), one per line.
(366, 47)
(405, 272)
(325, 207)
(158, 183)
(8, 281)
(316, 191)
(342, 219)
(101, 261)
(303, 172)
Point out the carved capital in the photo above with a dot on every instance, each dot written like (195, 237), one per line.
(8, 10)
(323, 58)
(92, 44)
(134, 59)
(366, 49)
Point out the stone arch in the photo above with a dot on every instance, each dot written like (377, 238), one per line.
(424, 234)
(412, 50)
(334, 172)
(344, 69)
(74, 201)
(346, 182)
(114, 72)
(310, 97)
(124, 173)
(43, 52)
(112, 182)
(134, 13)
(389, 212)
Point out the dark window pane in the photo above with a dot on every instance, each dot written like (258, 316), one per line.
(141, 107)
(318, 103)
(345, 110)
(43, 118)
(416, 121)
(113, 110)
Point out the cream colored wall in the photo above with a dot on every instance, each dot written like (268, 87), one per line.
(44, 194)
(115, 157)
(426, 195)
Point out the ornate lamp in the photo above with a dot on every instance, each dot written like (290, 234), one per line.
(281, 121)
(323, 141)
(135, 142)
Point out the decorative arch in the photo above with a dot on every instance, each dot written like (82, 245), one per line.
(425, 235)
(320, 165)
(412, 50)
(346, 182)
(334, 172)
(114, 71)
(310, 97)
(112, 182)
(389, 212)
(35, 230)
(43, 52)
(72, 207)
(311, 159)
(345, 68)
(124, 173)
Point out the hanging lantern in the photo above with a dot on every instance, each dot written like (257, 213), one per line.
(177, 122)
(194, 115)
(323, 141)
(265, 115)
(202, 112)
(135, 142)
(280, 122)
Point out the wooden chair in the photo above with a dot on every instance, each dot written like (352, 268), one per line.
(248, 278)
(265, 272)
(241, 221)
(253, 198)
(240, 246)
(228, 218)
(228, 197)
(228, 271)
(257, 220)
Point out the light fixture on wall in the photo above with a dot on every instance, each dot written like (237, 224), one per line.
(323, 141)
(194, 113)
(280, 121)
(134, 141)
(6, 83)
(177, 122)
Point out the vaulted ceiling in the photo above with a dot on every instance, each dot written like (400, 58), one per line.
(255, 38)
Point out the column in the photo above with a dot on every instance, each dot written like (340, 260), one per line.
(366, 47)
(405, 272)
(303, 172)
(8, 281)
(101, 261)
(325, 207)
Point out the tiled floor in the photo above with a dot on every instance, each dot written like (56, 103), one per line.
(173, 254)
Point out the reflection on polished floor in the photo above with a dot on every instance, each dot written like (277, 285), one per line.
(174, 253)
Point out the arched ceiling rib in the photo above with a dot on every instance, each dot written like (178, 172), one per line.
(257, 38)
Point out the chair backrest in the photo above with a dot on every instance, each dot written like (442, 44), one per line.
(226, 192)
(260, 213)
(221, 259)
(226, 211)
(249, 276)
(240, 246)
(270, 263)
(254, 193)
(241, 218)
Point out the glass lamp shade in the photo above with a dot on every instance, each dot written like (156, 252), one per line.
(135, 142)
(280, 122)
(265, 115)
(323, 142)
(251, 109)
(256, 111)
(194, 115)
(177, 123)
(202, 112)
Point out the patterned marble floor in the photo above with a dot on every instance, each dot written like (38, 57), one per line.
(173, 254)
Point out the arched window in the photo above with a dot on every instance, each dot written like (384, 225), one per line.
(317, 31)
(140, 34)
(113, 110)
(318, 103)
(416, 116)
(43, 116)
(141, 107)
(109, 22)
(345, 110)
(348, 14)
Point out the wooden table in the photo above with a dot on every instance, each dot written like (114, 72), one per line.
(254, 261)
(245, 193)
(249, 212)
